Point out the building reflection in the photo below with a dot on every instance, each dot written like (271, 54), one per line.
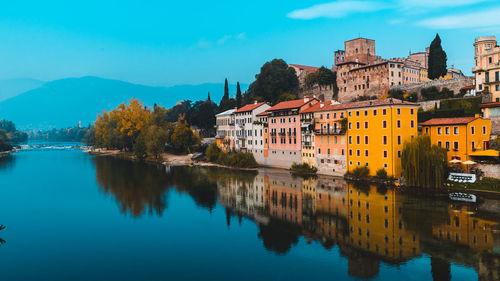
(367, 224)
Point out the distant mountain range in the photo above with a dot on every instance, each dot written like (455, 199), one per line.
(13, 87)
(62, 103)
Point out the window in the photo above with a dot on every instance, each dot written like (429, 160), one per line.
(384, 140)
(398, 123)
(366, 125)
(399, 140)
(412, 123)
(357, 125)
(384, 124)
(440, 144)
(473, 145)
(455, 145)
(366, 139)
(439, 130)
(319, 150)
(374, 112)
(484, 130)
(358, 153)
(350, 125)
(357, 140)
(350, 153)
(350, 139)
(472, 130)
(385, 153)
(447, 145)
(357, 113)
(366, 112)
(455, 130)
(411, 111)
(447, 130)
(384, 111)
(398, 111)
(366, 152)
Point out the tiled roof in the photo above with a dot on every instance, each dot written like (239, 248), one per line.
(249, 107)
(265, 113)
(469, 87)
(448, 121)
(317, 107)
(305, 67)
(359, 104)
(290, 104)
(490, 104)
(227, 112)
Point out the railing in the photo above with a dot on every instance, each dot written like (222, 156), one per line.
(243, 136)
(272, 134)
(307, 143)
(329, 132)
(306, 132)
(282, 134)
(306, 120)
(292, 134)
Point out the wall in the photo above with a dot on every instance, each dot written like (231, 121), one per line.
(490, 170)
(454, 84)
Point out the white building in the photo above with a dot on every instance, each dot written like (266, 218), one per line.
(247, 133)
(224, 123)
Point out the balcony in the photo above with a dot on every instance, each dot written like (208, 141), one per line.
(306, 132)
(292, 134)
(282, 134)
(306, 120)
(272, 134)
(306, 143)
(329, 132)
(243, 136)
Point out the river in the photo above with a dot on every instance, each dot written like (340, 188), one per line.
(72, 216)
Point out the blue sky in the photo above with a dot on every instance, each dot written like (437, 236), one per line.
(192, 42)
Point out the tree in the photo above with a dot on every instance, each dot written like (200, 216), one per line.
(225, 102)
(424, 165)
(202, 115)
(274, 79)
(183, 138)
(437, 59)
(238, 95)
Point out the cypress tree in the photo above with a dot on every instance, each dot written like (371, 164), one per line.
(238, 95)
(224, 102)
(208, 98)
(226, 90)
(437, 59)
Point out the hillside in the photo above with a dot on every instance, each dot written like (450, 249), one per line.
(62, 103)
(13, 87)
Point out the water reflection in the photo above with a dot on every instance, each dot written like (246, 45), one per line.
(6, 163)
(369, 224)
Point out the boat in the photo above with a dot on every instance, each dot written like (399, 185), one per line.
(465, 197)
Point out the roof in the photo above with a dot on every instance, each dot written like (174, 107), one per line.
(360, 104)
(489, 104)
(290, 104)
(227, 112)
(448, 121)
(317, 107)
(265, 113)
(468, 87)
(249, 107)
(489, 152)
(350, 61)
(305, 67)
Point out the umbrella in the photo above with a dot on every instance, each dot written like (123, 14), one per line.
(455, 161)
(469, 162)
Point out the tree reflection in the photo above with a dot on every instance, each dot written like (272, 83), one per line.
(279, 236)
(138, 188)
(2, 227)
(6, 162)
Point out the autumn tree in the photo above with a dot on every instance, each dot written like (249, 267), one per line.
(183, 138)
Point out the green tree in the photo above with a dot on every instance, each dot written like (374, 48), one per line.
(274, 79)
(238, 95)
(437, 59)
(424, 165)
(183, 138)
(225, 102)
(156, 138)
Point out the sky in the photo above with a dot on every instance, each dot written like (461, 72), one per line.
(191, 42)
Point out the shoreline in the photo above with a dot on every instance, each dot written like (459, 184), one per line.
(186, 160)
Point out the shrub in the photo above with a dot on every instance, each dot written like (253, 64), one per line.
(303, 169)
(233, 159)
(212, 152)
(381, 173)
(361, 172)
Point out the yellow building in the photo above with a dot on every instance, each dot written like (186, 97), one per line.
(376, 223)
(307, 137)
(376, 132)
(459, 135)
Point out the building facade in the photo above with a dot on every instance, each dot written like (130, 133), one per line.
(487, 66)
(245, 129)
(224, 123)
(459, 136)
(285, 142)
(376, 133)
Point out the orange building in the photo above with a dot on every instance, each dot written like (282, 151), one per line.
(459, 135)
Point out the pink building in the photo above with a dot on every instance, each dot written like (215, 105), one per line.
(284, 132)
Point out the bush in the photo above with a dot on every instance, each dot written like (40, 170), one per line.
(381, 173)
(234, 159)
(303, 169)
(361, 172)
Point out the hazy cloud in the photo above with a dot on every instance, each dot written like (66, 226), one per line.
(337, 9)
(485, 18)
(430, 4)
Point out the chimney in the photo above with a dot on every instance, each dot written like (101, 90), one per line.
(254, 102)
(321, 105)
(306, 99)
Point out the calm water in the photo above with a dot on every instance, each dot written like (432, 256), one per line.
(71, 216)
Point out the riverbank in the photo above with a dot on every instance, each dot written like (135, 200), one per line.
(167, 159)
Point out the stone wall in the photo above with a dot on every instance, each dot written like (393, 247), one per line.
(454, 84)
(490, 170)
(324, 93)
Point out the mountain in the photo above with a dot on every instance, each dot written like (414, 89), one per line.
(13, 87)
(62, 103)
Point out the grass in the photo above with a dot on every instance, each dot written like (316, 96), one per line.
(486, 184)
